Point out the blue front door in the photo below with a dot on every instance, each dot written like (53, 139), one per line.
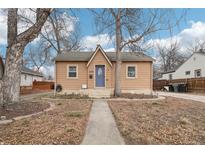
(100, 75)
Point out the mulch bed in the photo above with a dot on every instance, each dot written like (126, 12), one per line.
(136, 96)
(169, 121)
(65, 124)
(21, 109)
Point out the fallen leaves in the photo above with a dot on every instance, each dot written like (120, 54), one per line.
(169, 121)
(52, 127)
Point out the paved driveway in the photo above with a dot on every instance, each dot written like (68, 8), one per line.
(184, 96)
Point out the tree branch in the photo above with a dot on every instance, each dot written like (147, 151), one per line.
(30, 34)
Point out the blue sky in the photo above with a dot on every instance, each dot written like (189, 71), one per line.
(194, 18)
(88, 27)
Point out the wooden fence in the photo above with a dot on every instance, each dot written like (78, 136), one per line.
(43, 85)
(193, 84)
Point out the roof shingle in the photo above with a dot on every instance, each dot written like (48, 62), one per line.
(85, 56)
(31, 72)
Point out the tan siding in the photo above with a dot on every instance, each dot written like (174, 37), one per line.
(143, 79)
(99, 59)
(61, 75)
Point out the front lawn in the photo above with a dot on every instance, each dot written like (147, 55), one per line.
(169, 121)
(65, 124)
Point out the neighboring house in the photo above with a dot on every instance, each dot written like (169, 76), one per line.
(28, 76)
(93, 73)
(193, 67)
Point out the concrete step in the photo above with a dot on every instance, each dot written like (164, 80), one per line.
(100, 93)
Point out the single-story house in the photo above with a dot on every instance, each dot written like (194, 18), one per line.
(28, 76)
(193, 67)
(93, 73)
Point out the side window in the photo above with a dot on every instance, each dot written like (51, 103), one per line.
(197, 73)
(72, 71)
(25, 77)
(170, 76)
(187, 73)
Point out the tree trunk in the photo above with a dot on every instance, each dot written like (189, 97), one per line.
(12, 75)
(118, 57)
(10, 83)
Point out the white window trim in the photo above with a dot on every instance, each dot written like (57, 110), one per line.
(76, 65)
(130, 65)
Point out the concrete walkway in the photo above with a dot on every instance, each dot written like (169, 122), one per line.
(101, 128)
(184, 96)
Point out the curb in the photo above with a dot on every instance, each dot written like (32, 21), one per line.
(52, 105)
(127, 99)
(107, 99)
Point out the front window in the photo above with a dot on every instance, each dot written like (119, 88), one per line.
(131, 71)
(197, 73)
(72, 72)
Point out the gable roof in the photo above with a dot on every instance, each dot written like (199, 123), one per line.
(85, 56)
(174, 70)
(26, 70)
(99, 48)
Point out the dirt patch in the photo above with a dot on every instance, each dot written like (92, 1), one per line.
(65, 124)
(136, 96)
(169, 121)
(23, 108)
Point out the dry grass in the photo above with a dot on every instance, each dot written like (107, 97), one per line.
(64, 125)
(169, 121)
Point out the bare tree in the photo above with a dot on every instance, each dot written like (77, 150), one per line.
(131, 27)
(61, 30)
(198, 46)
(170, 55)
(38, 55)
(10, 83)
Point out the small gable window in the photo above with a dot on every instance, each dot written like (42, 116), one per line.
(131, 71)
(72, 71)
(187, 73)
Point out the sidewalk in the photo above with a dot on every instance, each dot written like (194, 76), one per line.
(101, 128)
(184, 96)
